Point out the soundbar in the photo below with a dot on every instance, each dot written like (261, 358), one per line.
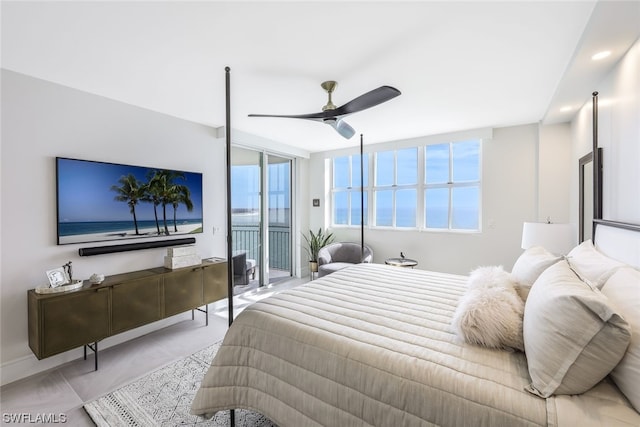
(99, 250)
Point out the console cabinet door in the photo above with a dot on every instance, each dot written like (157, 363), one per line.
(136, 303)
(215, 282)
(182, 290)
(74, 320)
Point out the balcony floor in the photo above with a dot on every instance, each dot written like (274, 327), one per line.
(275, 276)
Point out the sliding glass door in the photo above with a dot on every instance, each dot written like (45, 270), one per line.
(246, 219)
(279, 217)
(261, 218)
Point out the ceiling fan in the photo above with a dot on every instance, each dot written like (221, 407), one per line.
(333, 116)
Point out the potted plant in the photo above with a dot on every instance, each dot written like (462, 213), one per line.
(315, 241)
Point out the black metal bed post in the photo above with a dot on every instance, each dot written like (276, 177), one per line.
(228, 164)
(232, 415)
(361, 197)
(597, 165)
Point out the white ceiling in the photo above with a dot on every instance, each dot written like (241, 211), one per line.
(459, 65)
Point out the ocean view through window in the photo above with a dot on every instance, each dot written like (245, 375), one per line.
(452, 186)
(434, 187)
(396, 180)
(346, 190)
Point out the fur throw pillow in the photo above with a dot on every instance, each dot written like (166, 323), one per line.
(490, 313)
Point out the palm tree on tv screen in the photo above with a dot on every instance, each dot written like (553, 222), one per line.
(154, 194)
(171, 193)
(179, 194)
(131, 191)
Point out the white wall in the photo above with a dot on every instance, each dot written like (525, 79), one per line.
(42, 120)
(554, 173)
(619, 138)
(511, 165)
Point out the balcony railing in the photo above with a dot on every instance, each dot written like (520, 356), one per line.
(247, 238)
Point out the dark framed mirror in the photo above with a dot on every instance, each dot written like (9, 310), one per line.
(588, 199)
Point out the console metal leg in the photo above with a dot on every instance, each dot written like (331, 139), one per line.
(94, 348)
(205, 311)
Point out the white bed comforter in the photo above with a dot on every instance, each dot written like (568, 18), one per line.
(368, 345)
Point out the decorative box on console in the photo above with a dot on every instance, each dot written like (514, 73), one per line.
(181, 250)
(181, 256)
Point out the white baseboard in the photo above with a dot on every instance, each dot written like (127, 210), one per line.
(26, 366)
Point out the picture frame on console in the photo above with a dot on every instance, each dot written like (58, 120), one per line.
(57, 277)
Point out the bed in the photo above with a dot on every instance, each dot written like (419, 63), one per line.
(373, 345)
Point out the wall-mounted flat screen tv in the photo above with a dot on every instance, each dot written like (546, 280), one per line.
(98, 201)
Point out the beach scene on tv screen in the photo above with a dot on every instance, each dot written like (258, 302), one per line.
(105, 201)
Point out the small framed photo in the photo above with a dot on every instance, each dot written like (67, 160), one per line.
(57, 277)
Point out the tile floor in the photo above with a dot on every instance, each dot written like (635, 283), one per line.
(65, 389)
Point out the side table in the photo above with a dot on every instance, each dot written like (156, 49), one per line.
(401, 262)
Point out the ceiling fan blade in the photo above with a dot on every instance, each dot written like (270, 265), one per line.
(332, 116)
(367, 100)
(341, 127)
(312, 116)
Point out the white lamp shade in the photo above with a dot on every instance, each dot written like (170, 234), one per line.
(556, 238)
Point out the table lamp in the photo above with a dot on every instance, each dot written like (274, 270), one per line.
(556, 238)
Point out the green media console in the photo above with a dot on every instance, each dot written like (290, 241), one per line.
(60, 322)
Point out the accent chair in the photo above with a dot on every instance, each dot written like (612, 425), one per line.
(339, 255)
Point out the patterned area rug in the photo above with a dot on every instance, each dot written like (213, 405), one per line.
(163, 398)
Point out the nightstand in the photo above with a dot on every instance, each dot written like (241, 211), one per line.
(401, 262)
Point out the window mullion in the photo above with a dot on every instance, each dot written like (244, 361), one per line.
(421, 188)
(450, 185)
(394, 188)
(350, 192)
(370, 183)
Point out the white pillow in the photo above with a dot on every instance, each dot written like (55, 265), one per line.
(573, 336)
(623, 290)
(592, 266)
(529, 266)
(490, 312)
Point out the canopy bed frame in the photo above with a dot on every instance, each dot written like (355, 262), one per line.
(373, 345)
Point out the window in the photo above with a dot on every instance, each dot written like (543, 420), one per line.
(346, 190)
(396, 182)
(436, 187)
(452, 186)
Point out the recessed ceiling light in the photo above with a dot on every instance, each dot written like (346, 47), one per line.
(601, 55)
(566, 108)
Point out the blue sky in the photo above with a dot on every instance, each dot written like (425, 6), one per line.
(84, 192)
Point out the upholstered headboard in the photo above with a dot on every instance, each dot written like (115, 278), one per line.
(620, 241)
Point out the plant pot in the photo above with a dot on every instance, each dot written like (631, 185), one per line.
(313, 266)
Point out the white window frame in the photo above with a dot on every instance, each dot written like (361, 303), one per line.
(420, 187)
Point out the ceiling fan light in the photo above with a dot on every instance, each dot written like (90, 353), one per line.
(344, 129)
